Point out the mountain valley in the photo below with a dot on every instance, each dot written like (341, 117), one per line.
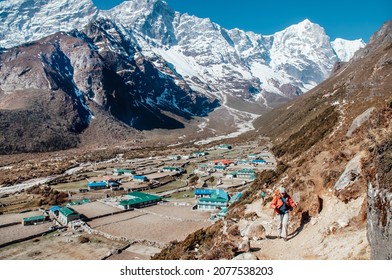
(146, 66)
(144, 87)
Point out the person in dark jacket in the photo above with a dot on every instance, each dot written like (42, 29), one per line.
(282, 204)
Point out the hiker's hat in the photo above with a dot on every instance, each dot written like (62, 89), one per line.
(282, 190)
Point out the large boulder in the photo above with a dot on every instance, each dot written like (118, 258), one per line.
(254, 230)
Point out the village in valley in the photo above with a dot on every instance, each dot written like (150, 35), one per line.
(139, 204)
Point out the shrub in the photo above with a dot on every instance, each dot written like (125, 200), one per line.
(389, 102)
(83, 239)
(233, 230)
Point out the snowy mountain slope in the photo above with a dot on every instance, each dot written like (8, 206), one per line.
(216, 60)
(24, 21)
(304, 52)
(345, 49)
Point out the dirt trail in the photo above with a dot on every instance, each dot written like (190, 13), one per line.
(327, 236)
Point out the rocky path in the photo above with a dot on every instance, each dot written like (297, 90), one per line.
(327, 236)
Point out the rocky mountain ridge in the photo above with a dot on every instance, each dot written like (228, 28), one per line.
(91, 70)
(209, 57)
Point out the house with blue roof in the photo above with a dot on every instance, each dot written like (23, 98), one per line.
(140, 178)
(221, 194)
(259, 162)
(203, 193)
(114, 184)
(54, 209)
(222, 213)
(97, 185)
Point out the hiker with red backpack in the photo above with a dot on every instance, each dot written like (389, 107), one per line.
(282, 204)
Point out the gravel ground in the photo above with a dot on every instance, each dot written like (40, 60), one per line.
(94, 209)
(16, 232)
(160, 224)
(17, 217)
(152, 228)
(61, 246)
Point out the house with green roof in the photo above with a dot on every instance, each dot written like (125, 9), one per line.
(139, 200)
(253, 156)
(67, 215)
(224, 147)
(222, 213)
(33, 220)
(235, 197)
(218, 199)
(211, 203)
(199, 154)
(231, 175)
(174, 157)
(246, 173)
(79, 202)
(203, 169)
(219, 168)
(244, 162)
(117, 171)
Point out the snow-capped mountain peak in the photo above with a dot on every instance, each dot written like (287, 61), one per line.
(303, 50)
(153, 18)
(345, 49)
(304, 26)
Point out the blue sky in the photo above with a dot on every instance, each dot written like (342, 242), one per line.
(346, 19)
